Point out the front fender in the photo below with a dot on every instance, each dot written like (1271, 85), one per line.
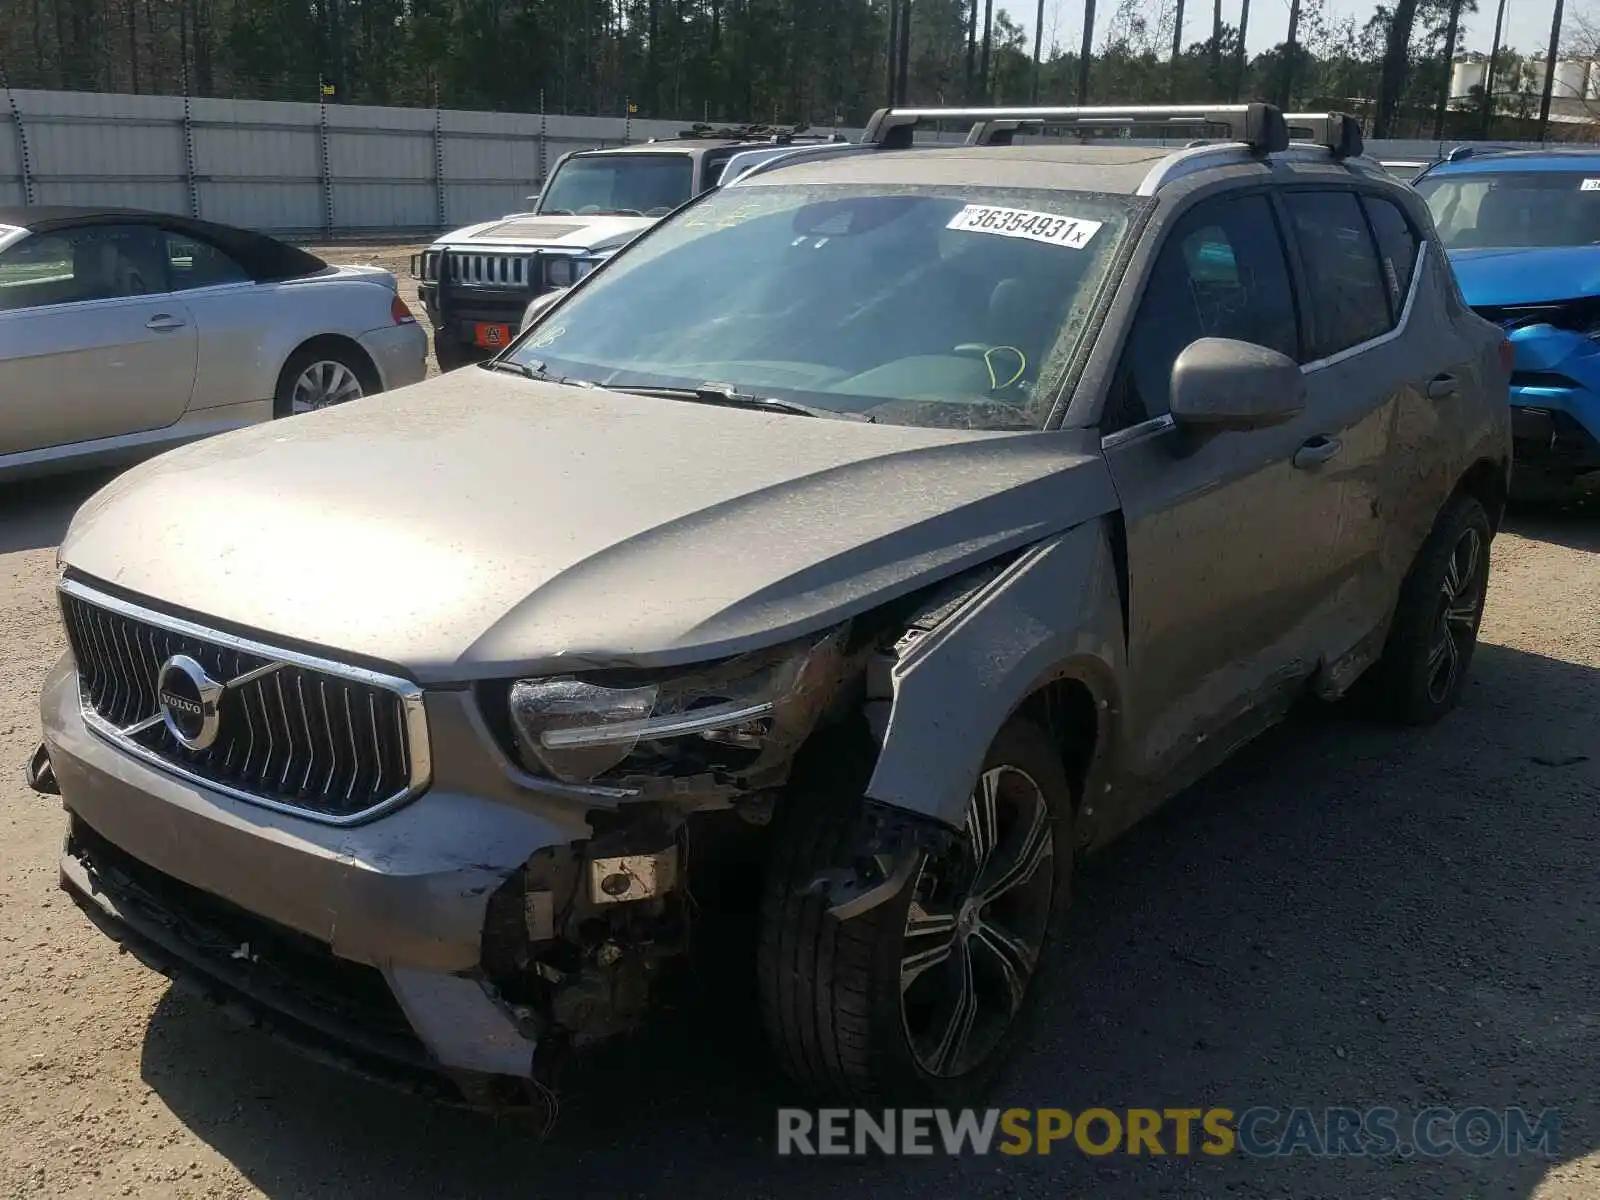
(1056, 611)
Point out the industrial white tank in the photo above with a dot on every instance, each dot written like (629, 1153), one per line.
(1465, 75)
(1592, 91)
(1572, 75)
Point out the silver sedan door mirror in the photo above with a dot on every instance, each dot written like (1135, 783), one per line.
(1224, 384)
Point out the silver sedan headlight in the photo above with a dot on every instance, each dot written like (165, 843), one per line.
(724, 718)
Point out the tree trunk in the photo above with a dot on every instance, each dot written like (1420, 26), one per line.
(1038, 41)
(650, 58)
(1488, 73)
(1396, 64)
(985, 84)
(1177, 53)
(133, 45)
(1088, 50)
(972, 47)
(1240, 55)
(1449, 64)
(905, 50)
(1291, 57)
(1216, 46)
(1550, 71)
(892, 77)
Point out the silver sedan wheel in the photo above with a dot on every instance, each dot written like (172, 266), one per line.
(323, 383)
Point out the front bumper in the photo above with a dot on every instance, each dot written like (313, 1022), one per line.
(400, 352)
(392, 911)
(1555, 426)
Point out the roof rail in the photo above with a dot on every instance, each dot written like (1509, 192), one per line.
(1339, 132)
(1259, 126)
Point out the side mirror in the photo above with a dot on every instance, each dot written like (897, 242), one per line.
(1223, 384)
(538, 305)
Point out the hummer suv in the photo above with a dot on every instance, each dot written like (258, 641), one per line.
(477, 282)
(888, 530)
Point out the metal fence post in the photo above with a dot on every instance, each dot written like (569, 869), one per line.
(22, 140)
(627, 120)
(188, 148)
(438, 160)
(544, 122)
(327, 172)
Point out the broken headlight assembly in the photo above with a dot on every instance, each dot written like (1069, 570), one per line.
(730, 718)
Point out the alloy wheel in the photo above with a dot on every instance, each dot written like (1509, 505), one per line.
(322, 384)
(1461, 596)
(975, 926)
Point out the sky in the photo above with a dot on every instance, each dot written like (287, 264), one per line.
(1527, 21)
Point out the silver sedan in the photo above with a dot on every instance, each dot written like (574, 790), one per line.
(124, 332)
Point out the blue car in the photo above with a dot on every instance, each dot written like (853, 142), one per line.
(1522, 228)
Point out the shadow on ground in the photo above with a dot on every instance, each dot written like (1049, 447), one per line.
(38, 512)
(1344, 915)
(1575, 526)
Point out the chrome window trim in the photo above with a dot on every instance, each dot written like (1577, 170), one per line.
(1153, 425)
(1131, 433)
(1399, 326)
(410, 695)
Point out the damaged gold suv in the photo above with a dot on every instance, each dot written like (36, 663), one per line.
(928, 513)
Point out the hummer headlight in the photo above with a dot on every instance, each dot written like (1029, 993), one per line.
(558, 272)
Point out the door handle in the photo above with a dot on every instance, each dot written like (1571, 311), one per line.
(163, 323)
(1441, 386)
(1317, 451)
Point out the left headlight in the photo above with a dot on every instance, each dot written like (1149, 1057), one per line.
(558, 272)
(725, 717)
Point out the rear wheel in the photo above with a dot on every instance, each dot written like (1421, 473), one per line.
(1424, 665)
(921, 999)
(320, 377)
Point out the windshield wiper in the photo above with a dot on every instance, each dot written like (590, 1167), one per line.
(715, 393)
(532, 371)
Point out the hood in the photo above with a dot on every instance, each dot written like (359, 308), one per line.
(482, 525)
(555, 232)
(1492, 278)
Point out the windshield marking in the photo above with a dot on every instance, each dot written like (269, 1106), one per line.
(1071, 232)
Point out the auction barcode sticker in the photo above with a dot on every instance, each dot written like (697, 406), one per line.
(1072, 232)
(1589, 185)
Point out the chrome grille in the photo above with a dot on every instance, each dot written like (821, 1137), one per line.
(335, 743)
(488, 270)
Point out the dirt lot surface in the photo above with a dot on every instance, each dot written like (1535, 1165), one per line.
(1346, 915)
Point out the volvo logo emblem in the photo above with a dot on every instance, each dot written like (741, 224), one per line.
(190, 702)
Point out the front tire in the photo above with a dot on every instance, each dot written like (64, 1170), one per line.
(923, 998)
(1424, 666)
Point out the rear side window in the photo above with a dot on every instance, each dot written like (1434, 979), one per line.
(1220, 273)
(192, 263)
(1397, 248)
(1350, 303)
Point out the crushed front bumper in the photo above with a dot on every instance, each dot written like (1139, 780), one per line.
(359, 945)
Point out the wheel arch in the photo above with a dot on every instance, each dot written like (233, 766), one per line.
(346, 346)
(1044, 640)
(1488, 482)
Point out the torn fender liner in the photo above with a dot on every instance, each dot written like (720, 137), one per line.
(888, 847)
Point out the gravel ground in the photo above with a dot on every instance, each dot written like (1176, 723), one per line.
(1345, 915)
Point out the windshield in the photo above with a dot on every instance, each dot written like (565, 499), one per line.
(634, 185)
(917, 305)
(1515, 208)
